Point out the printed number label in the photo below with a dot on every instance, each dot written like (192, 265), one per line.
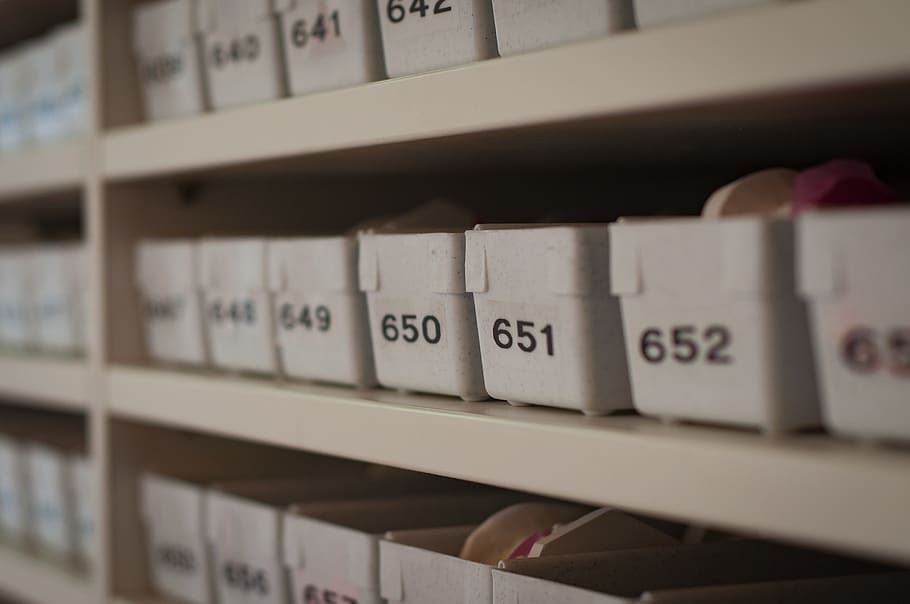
(411, 328)
(321, 29)
(866, 350)
(319, 317)
(162, 68)
(685, 344)
(236, 51)
(235, 311)
(243, 577)
(525, 336)
(396, 11)
(163, 310)
(313, 594)
(177, 558)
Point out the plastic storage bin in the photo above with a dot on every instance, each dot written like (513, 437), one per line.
(525, 25)
(434, 34)
(649, 13)
(550, 331)
(714, 328)
(322, 327)
(59, 293)
(238, 308)
(17, 325)
(243, 62)
(168, 283)
(422, 319)
(853, 273)
(330, 43)
(331, 550)
(167, 41)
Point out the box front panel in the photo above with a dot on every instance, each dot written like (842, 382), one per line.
(244, 65)
(173, 327)
(172, 82)
(239, 328)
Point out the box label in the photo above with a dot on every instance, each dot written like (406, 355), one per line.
(313, 588)
(419, 18)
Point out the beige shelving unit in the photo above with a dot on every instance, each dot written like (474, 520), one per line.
(739, 90)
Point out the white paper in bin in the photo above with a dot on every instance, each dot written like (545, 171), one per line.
(314, 276)
(166, 275)
(238, 307)
(525, 25)
(853, 274)
(437, 40)
(419, 279)
(556, 280)
(714, 329)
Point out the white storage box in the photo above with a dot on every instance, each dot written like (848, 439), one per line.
(167, 279)
(322, 327)
(71, 64)
(434, 34)
(550, 331)
(332, 549)
(714, 329)
(83, 472)
(17, 317)
(330, 43)
(525, 25)
(663, 575)
(238, 308)
(649, 13)
(424, 331)
(167, 41)
(52, 500)
(243, 62)
(14, 512)
(9, 109)
(59, 294)
(44, 92)
(853, 273)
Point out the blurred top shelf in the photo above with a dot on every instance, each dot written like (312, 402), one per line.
(34, 581)
(42, 170)
(46, 382)
(813, 55)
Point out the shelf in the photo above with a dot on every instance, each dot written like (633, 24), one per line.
(58, 383)
(34, 581)
(803, 48)
(811, 489)
(47, 169)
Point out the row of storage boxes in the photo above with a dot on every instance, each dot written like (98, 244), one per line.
(348, 536)
(43, 298)
(43, 88)
(196, 54)
(46, 490)
(709, 320)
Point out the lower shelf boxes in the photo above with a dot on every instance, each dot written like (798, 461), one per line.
(426, 36)
(424, 331)
(168, 283)
(322, 327)
(853, 273)
(714, 329)
(59, 295)
(238, 311)
(17, 328)
(550, 331)
(13, 500)
(525, 25)
(330, 44)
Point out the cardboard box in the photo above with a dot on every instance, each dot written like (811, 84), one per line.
(714, 329)
(167, 42)
(238, 308)
(59, 281)
(242, 50)
(853, 274)
(425, 36)
(650, 13)
(168, 283)
(331, 549)
(322, 327)
(550, 331)
(525, 25)
(330, 44)
(424, 332)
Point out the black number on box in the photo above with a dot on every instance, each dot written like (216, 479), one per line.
(862, 350)
(289, 318)
(236, 311)
(236, 51)
(243, 577)
(301, 33)
(395, 9)
(685, 345)
(430, 329)
(163, 310)
(162, 68)
(524, 337)
(177, 558)
(312, 594)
